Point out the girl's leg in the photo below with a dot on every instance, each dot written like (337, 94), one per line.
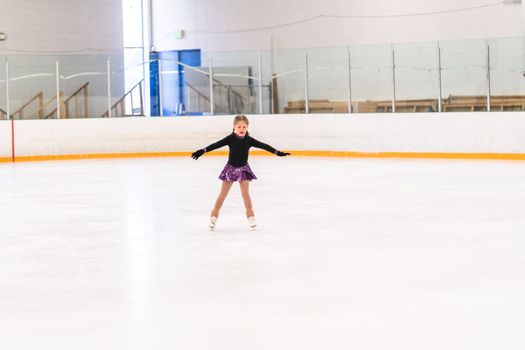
(245, 191)
(225, 188)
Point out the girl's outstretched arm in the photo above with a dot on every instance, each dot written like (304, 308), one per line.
(221, 143)
(268, 148)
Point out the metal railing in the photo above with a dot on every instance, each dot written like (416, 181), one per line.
(463, 75)
(19, 113)
(196, 101)
(70, 107)
(228, 99)
(72, 103)
(54, 111)
(121, 109)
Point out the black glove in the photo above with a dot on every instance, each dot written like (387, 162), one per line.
(282, 154)
(195, 155)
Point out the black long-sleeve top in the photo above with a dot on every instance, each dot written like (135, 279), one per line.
(239, 148)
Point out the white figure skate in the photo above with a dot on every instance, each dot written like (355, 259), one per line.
(213, 222)
(252, 223)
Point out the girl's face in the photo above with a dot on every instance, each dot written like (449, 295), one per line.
(240, 128)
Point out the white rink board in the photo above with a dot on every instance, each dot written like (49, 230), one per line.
(5, 138)
(422, 132)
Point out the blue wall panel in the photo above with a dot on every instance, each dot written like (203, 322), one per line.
(173, 92)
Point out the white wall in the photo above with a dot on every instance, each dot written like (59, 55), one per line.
(523, 17)
(434, 133)
(61, 25)
(79, 33)
(203, 20)
(369, 37)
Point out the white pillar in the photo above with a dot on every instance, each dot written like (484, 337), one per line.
(212, 102)
(393, 81)
(161, 104)
(488, 78)
(260, 85)
(349, 68)
(306, 96)
(440, 79)
(57, 73)
(7, 106)
(109, 87)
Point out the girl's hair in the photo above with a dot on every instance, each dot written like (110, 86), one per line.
(241, 118)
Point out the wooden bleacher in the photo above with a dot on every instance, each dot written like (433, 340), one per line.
(317, 106)
(479, 103)
(412, 106)
(454, 103)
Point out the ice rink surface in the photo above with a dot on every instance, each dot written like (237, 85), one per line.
(371, 254)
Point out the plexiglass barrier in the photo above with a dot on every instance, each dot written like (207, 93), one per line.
(446, 76)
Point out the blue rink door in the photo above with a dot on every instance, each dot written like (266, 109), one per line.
(173, 82)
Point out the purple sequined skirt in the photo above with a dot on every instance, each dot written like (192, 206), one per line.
(231, 173)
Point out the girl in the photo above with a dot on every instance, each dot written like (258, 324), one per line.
(237, 168)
